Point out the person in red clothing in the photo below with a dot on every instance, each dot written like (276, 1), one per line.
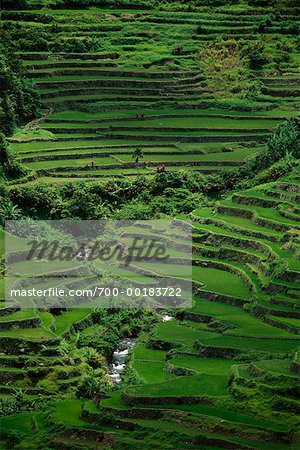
(143, 115)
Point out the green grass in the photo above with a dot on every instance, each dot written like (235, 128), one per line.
(141, 352)
(71, 163)
(151, 372)
(240, 223)
(183, 386)
(28, 333)
(114, 401)
(286, 320)
(79, 115)
(186, 337)
(19, 315)
(63, 322)
(279, 366)
(180, 122)
(207, 366)
(267, 213)
(230, 326)
(221, 281)
(243, 324)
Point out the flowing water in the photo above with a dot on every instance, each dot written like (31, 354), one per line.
(117, 366)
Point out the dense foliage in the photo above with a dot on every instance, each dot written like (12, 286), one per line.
(19, 100)
(163, 195)
(116, 87)
(225, 70)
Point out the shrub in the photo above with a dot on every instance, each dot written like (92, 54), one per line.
(14, 4)
(274, 172)
(19, 102)
(255, 53)
(94, 358)
(92, 385)
(224, 69)
(290, 28)
(86, 45)
(10, 167)
(264, 25)
(285, 140)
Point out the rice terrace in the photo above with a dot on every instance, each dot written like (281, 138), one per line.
(153, 111)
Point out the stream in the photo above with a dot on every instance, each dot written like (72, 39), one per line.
(116, 368)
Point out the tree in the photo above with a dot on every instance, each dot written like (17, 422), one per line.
(256, 55)
(13, 4)
(137, 155)
(9, 166)
(19, 101)
(3, 150)
(9, 212)
(282, 148)
(225, 70)
(284, 141)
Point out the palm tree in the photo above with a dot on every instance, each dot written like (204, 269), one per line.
(9, 212)
(137, 155)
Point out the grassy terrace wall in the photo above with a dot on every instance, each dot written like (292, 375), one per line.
(225, 372)
(140, 67)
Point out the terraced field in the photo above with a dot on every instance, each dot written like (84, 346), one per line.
(144, 90)
(223, 373)
(234, 341)
(239, 341)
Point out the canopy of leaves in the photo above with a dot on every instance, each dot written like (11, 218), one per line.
(225, 70)
(19, 101)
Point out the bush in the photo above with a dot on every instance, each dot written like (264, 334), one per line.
(290, 28)
(92, 385)
(85, 45)
(255, 53)
(10, 167)
(94, 358)
(285, 140)
(264, 25)
(274, 172)
(19, 102)
(225, 70)
(14, 4)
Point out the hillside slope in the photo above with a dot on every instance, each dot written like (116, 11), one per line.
(128, 92)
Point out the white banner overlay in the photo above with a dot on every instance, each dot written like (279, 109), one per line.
(105, 264)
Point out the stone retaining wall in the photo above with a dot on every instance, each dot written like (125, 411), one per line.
(165, 400)
(96, 418)
(11, 345)
(260, 311)
(255, 201)
(216, 352)
(284, 326)
(165, 116)
(16, 324)
(234, 229)
(105, 154)
(9, 310)
(178, 138)
(139, 129)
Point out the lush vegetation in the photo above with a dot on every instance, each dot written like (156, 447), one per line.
(105, 113)
(19, 101)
